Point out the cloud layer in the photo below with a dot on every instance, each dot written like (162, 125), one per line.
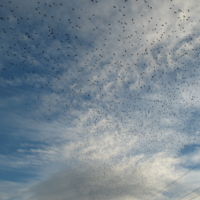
(99, 100)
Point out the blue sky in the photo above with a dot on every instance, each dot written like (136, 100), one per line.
(99, 100)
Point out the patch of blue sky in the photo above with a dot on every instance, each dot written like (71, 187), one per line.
(11, 141)
(16, 176)
(189, 149)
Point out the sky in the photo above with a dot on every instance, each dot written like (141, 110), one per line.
(99, 100)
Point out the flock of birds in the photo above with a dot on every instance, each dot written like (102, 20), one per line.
(128, 73)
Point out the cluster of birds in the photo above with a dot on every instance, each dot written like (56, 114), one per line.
(130, 69)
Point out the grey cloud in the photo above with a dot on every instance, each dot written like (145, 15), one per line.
(91, 182)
